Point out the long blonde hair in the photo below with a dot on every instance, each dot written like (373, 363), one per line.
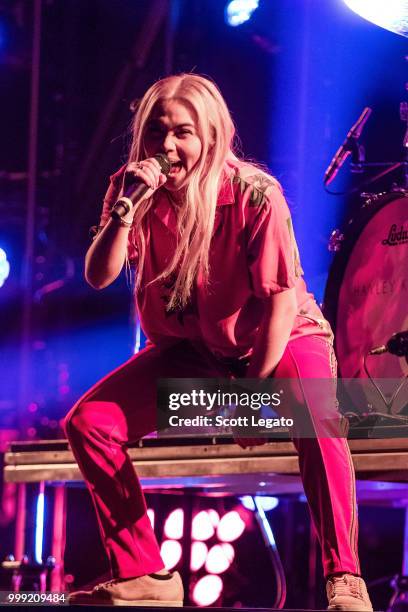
(195, 221)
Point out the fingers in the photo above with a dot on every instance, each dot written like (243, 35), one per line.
(148, 171)
(245, 442)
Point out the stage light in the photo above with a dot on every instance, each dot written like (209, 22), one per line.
(207, 590)
(4, 267)
(39, 525)
(230, 527)
(213, 516)
(199, 552)
(219, 558)
(239, 11)
(248, 502)
(170, 552)
(266, 528)
(391, 15)
(266, 502)
(202, 527)
(150, 514)
(173, 527)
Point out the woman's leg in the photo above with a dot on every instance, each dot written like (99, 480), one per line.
(118, 409)
(325, 462)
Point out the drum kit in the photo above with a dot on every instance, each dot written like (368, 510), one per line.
(366, 297)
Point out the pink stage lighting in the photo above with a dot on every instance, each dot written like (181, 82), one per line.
(173, 527)
(171, 552)
(219, 558)
(230, 527)
(199, 552)
(207, 590)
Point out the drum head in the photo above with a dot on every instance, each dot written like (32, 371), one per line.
(366, 297)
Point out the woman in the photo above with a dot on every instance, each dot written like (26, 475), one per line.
(219, 293)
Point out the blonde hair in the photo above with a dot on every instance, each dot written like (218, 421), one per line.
(195, 221)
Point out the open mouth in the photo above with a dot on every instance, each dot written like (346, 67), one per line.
(175, 168)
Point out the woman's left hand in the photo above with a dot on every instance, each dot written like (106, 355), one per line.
(245, 442)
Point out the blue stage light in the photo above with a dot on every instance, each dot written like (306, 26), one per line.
(4, 267)
(391, 15)
(239, 11)
(39, 527)
(263, 501)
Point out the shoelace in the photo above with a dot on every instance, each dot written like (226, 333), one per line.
(106, 585)
(346, 585)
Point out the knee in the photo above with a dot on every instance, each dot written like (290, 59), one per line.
(77, 421)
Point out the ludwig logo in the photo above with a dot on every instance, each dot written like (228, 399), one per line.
(396, 236)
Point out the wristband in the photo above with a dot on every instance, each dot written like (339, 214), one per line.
(121, 221)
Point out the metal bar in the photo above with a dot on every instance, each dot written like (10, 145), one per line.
(382, 465)
(392, 447)
(58, 538)
(20, 533)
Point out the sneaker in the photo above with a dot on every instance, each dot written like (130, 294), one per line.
(142, 591)
(348, 592)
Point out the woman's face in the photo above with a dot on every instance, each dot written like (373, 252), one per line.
(171, 129)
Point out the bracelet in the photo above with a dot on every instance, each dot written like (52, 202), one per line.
(122, 222)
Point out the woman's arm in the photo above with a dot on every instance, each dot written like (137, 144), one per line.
(106, 255)
(273, 334)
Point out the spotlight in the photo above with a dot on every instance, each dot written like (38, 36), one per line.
(171, 552)
(219, 558)
(239, 11)
(199, 552)
(267, 503)
(4, 267)
(230, 527)
(202, 526)
(207, 590)
(173, 527)
(391, 15)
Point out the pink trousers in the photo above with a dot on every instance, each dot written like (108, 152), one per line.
(122, 408)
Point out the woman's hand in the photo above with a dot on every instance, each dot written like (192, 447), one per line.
(245, 442)
(147, 171)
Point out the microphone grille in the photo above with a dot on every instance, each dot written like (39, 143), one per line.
(165, 163)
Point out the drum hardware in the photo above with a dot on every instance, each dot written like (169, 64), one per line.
(399, 600)
(335, 240)
(404, 117)
(370, 198)
(28, 575)
(397, 345)
(365, 301)
(388, 403)
(349, 146)
(389, 167)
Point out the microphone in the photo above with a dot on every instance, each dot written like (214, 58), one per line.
(345, 149)
(137, 190)
(396, 345)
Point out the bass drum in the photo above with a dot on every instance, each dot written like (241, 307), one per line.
(366, 298)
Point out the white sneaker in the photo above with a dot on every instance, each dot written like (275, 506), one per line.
(142, 591)
(348, 592)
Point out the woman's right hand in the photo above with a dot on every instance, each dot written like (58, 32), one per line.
(147, 171)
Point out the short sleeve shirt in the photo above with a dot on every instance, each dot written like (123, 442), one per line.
(253, 255)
